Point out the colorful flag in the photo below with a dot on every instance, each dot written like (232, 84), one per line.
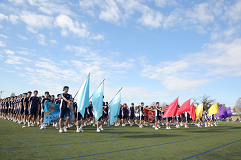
(115, 108)
(97, 101)
(229, 113)
(51, 112)
(199, 111)
(185, 107)
(192, 111)
(171, 110)
(213, 109)
(82, 97)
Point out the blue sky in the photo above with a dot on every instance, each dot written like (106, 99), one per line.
(155, 49)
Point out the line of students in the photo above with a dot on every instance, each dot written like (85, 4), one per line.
(29, 109)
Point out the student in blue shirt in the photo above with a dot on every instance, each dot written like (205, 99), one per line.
(34, 108)
(125, 114)
(64, 109)
(141, 114)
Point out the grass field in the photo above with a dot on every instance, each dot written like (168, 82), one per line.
(222, 142)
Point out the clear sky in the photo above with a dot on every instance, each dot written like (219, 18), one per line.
(156, 50)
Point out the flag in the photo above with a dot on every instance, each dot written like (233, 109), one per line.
(82, 97)
(185, 107)
(199, 111)
(171, 110)
(225, 115)
(220, 114)
(115, 108)
(97, 101)
(192, 111)
(213, 109)
(229, 113)
(51, 112)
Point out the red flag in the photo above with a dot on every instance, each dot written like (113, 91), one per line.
(185, 107)
(171, 110)
(192, 111)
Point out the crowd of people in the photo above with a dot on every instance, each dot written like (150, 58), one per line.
(28, 108)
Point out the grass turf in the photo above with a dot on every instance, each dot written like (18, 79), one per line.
(222, 142)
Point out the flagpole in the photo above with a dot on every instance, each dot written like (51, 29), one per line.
(116, 94)
(80, 87)
(98, 87)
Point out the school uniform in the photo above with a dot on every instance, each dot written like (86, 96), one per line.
(34, 103)
(90, 110)
(21, 105)
(43, 102)
(125, 113)
(64, 110)
(26, 101)
(141, 110)
(132, 114)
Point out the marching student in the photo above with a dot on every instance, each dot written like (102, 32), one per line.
(141, 114)
(26, 109)
(206, 117)
(125, 113)
(64, 109)
(187, 116)
(158, 116)
(90, 114)
(34, 108)
(132, 114)
(104, 116)
(78, 118)
(43, 101)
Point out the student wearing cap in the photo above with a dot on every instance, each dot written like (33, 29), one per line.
(132, 114)
(64, 109)
(34, 107)
(25, 105)
(141, 114)
(43, 101)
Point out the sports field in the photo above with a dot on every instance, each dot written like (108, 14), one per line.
(222, 142)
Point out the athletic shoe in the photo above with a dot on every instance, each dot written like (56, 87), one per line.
(81, 130)
(98, 130)
(101, 128)
(93, 124)
(167, 127)
(32, 125)
(123, 125)
(77, 130)
(60, 130)
(212, 125)
(29, 124)
(153, 126)
(65, 129)
(156, 128)
(186, 127)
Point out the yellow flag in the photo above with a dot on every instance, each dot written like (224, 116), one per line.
(213, 109)
(199, 111)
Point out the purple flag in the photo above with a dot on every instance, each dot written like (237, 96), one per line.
(229, 113)
(220, 113)
(225, 115)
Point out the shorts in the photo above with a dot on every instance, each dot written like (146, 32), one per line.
(125, 116)
(200, 120)
(6, 111)
(131, 116)
(64, 113)
(42, 114)
(75, 115)
(39, 112)
(178, 119)
(16, 111)
(33, 112)
(12, 111)
(25, 112)
(21, 110)
(9, 110)
(79, 116)
(141, 118)
(99, 119)
(156, 118)
(168, 119)
(120, 116)
(104, 116)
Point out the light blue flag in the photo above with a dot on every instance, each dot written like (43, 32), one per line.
(97, 101)
(51, 112)
(82, 97)
(115, 108)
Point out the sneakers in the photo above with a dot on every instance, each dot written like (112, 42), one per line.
(168, 127)
(123, 125)
(101, 128)
(156, 128)
(60, 130)
(98, 130)
(186, 127)
(93, 125)
(32, 125)
(29, 124)
(65, 129)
